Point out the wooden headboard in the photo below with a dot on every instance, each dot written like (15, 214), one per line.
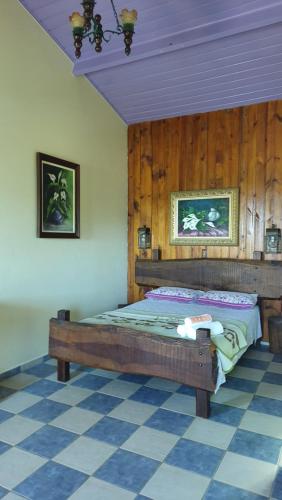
(252, 276)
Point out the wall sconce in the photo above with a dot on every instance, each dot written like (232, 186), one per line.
(144, 237)
(272, 240)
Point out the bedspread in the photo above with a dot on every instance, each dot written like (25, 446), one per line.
(161, 318)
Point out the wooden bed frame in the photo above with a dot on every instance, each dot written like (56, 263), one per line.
(185, 361)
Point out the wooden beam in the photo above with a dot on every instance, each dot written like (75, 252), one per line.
(254, 19)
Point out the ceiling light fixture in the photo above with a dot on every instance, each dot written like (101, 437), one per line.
(89, 26)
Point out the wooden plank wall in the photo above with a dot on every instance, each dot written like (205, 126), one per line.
(239, 147)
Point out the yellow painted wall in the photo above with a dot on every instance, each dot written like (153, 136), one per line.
(44, 108)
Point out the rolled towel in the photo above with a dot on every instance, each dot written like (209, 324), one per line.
(216, 328)
(194, 320)
(186, 332)
(190, 327)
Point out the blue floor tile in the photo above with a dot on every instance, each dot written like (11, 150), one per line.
(102, 403)
(51, 482)
(266, 405)
(4, 415)
(132, 377)
(240, 384)
(45, 410)
(4, 447)
(141, 497)
(196, 457)
(3, 492)
(277, 487)
(256, 445)
(221, 491)
(112, 431)
(253, 363)
(185, 389)
(127, 470)
(47, 441)
(41, 370)
(277, 358)
(169, 421)
(92, 382)
(226, 414)
(80, 368)
(272, 378)
(258, 346)
(5, 392)
(10, 373)
(43, 388)
(150, 396)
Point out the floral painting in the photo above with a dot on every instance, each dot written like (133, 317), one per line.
(207, 217)
(58, 197)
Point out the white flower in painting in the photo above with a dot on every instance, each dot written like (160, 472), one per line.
(63, 195)
(190, 222)
(52, 177)
(64, 182)
(211, 224)
(56, 196)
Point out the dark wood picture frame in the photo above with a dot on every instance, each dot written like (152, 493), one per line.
(58, 197)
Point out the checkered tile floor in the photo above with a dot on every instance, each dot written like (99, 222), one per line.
(106, 436)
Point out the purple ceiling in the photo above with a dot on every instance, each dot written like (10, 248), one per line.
(188, 56)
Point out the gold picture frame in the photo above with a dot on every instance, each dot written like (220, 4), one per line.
(205, 217)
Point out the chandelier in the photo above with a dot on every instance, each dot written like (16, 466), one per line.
(89, 26)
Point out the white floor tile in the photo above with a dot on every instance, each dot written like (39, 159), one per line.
(211, 433)
(106, 373)
(18, 381)
(150, 443)
(85, 454)
(260, 355)
(132, 411)
(52, 362)
(246, 473)
(100, 490)
(77, 420)
(70, 395)
(270, 391)
(16, 429)
(247, 373)
(275, 368)
(262, 424)
(172, 483)
(12, 496)
(19, 402)
(231, 397)
(16, 465)
(181, 403)
(162, 384)
(120, 388)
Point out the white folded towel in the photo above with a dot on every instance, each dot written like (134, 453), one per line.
(192, 324)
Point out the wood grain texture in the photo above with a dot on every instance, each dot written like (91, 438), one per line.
(239, 147)
(122, 349)
(250, 276)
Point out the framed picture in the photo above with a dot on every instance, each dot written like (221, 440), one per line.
(207, 217)
(57, 197)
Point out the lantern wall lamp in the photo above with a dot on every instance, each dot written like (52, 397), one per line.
(89, 26)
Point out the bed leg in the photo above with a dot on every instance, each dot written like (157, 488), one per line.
(202, 403)
(63, 367)
(63, 370)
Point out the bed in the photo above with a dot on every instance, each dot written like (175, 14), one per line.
(117, 345)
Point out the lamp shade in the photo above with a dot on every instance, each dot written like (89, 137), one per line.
(76, 20)
(272, 240)
(144, 237)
